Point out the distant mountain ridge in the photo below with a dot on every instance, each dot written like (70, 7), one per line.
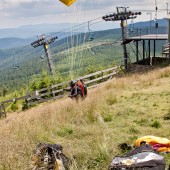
(6, 43)
(24, 35)
(29, 31)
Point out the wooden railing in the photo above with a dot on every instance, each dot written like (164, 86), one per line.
(145, 31)
(57, 91)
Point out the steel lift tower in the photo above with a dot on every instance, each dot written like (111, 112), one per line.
(122, 15)
(44, 41)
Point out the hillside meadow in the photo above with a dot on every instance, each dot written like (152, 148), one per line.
(120, 110)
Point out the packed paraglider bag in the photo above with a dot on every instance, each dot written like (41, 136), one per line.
(49, 157)
(141, 158)
(83, 87)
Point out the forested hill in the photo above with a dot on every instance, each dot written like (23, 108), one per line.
(31, 63)
(6, 43)
(73, 56)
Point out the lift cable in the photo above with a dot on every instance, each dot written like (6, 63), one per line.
(64, 33)
(78, 25)
(84, 25)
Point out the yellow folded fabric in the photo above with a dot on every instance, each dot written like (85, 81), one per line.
(160, 144)
(67, 2)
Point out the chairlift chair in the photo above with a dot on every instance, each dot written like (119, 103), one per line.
(15, 64)
(42, 57)
(90, 36)
(132, 26)
(16, 67)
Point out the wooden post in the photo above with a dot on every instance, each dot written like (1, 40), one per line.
(137, 52)
(2, 111)
(169, 34)
(149, 50)
(154, 48)
(144, 50)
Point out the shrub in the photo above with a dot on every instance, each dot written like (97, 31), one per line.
(111, 99)
(107, 118)
(142, 122)
(65, 131)
(14, 106)
(133, 138)
(156, 124)
(165, 74)
(133, 130)
(24, 105)
(97, 160)
(155, 105)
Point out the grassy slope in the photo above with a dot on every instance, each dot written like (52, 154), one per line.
(119, 111)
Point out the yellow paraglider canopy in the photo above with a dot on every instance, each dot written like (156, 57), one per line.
(67, 2)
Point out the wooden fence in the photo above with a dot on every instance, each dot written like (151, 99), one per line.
(57, 91)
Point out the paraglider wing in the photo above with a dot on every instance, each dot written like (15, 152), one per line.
(67, 2)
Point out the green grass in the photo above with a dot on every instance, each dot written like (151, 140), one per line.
(120, 111)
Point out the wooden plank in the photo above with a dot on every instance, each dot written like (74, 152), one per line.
(90, 75)
(45, 100)
(57, 91)
(38, 101)
(60, 84)
(100, 78)
(93, 86)
(7, 101)
(45, 94)
(96, 85)
(110, 69)
(98, 72)
(44, 89)
(58, 97)
(39, 96)
(51, 87)
(149, 37)
(21, 98)
(109, 75)
(94, 80)
(30, 93)
(14, 99)
(166, 45)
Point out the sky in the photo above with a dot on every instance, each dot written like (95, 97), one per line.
(15, 13)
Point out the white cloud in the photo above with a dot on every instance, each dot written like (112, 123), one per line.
(19, 12)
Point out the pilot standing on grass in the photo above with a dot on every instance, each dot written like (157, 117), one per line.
(74, 89)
